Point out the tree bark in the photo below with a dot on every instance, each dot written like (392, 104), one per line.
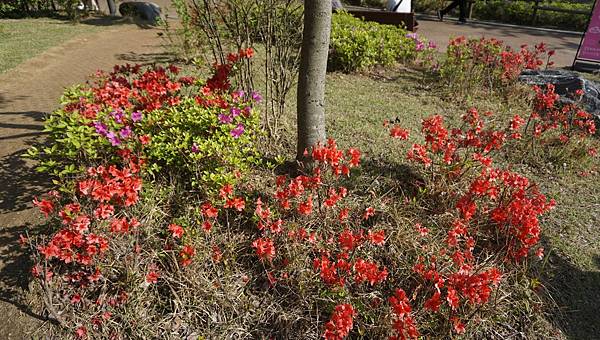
(310, 102)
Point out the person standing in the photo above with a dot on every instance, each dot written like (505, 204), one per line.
(462, 18)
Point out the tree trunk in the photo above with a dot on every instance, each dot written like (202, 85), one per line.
(310, 103)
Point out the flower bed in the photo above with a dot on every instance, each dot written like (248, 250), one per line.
(164, 227)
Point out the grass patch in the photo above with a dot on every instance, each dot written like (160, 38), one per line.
(357, 105)
(23, 39)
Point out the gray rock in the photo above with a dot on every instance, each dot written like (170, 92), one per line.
(566, 83)
(146, 11)
(336, 4)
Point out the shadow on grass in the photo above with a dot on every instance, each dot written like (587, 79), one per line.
(93, 19)
(391, 177)
(577, 295)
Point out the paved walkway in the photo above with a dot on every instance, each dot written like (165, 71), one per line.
(565, 44)
(27, 93)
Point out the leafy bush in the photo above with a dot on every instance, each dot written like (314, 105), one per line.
(22, 8)
(428, 5)
(358, 45)
(473, 64)
(179, 125)
(521, 13)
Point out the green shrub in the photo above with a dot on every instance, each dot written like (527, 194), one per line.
(521, 13)
(428, 5)
(472, 65)
(179, 126)
(358, 45)
(190, 139)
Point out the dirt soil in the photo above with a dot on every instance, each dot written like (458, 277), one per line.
(27, 93)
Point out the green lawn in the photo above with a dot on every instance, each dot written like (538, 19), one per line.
(23, 39)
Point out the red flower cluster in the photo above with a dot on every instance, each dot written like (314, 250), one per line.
(404, 324)
(369, 271)
(497, 205)
(186, 254)
(218, 84)
(112, 185)
(149, 90)
(475, 141)
(334, 272)
(81, 239)
(496, 60)
(264, 248)
(549, 114)
(209, 213)
(330, 155)
(341, 322)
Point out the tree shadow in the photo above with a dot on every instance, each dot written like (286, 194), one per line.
(147, 58)
(105, 20)
(37, 116)
(19, 182)
(577, 295)
(4, 101)
(393, 177)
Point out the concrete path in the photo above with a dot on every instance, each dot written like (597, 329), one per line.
(564, 43)
(27, 93)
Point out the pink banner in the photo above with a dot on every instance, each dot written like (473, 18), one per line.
(590, 44)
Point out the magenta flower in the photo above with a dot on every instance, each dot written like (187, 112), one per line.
(125, 132)
(419, 46)
(136, 116)
(101, 128)
(113, 138)
(235, 111)
(237, 131)
(117, 115)
(238, 94)
(195, 148)
(225, 119)
(256, 96)
(432, 45)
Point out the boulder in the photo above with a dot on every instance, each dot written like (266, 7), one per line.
(146, 11)
(566, 83)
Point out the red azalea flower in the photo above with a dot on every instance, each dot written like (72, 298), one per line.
(152, 277)
(341, 322)
(264, 248)
(397, 132)
(187, 253)
(176, 230)
(377, 237)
